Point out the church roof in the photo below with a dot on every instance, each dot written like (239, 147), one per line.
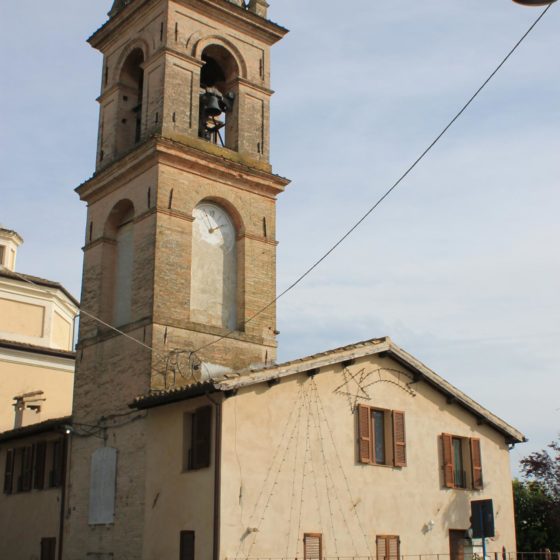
(5, 273)
(52, 425)
(230, 383)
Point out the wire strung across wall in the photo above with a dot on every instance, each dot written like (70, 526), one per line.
(329, 474)
(283, 443)
(341, 468)
(326, 480)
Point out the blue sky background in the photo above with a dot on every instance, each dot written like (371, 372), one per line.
(461, 266)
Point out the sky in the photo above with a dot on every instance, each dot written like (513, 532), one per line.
(460, 266)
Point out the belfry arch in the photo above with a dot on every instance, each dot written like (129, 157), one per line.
(130, 101)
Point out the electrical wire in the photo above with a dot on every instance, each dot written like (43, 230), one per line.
(358, 223)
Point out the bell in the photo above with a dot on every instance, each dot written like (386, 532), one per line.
(210, 104)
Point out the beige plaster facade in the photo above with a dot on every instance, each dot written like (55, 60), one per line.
(30, 510)
(289, 464)
(36, 345)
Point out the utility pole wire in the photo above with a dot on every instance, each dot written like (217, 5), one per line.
(388, 192)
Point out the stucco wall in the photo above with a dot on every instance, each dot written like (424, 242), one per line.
(176, 500)
(272, 435)
(22, 373)
(28, 517)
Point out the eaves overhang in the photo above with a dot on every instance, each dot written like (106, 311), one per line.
(53, 425)
(313, 364)
(222, 10)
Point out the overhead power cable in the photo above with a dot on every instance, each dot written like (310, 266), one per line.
(390, 190)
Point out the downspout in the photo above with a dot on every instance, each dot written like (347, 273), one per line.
(63, 494)
(217, 481)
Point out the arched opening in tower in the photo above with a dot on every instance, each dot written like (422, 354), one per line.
(218, 119)
(131, 86)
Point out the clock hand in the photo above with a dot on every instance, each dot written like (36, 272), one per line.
(215, 229)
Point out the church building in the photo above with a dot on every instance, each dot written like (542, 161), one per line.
(187, 439)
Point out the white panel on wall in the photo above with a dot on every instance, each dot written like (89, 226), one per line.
(103, 486)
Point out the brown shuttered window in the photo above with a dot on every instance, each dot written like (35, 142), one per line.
(381, 436)
(201, 438)
(312, 546)
(48, 549)
(25, 481)
(187, 545)
(476, 463)
(448, 467)
(364, 434)
(55, 475)
(9, 471)
(388, 547)
(39, 467)
(399, 439)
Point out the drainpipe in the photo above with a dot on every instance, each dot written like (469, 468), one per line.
(217, 480)
(63, 493)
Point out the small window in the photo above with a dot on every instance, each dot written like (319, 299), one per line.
(48, 548)
(312, 546)
(2, 253)
(462, 465)
(186, 551)
(388, 547)
(382, 439)
(197, 439)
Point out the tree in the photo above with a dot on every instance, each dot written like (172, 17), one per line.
(537, 501)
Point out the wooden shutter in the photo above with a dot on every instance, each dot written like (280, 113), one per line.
(39, 466)
(55, 477)
(364, 434)
(393, 548)
(448, 468)
(312, 546)
(187, 545)
(9, 471)
(201, 438)
(476, 463)
(388, 547)
(26, 477)
(399, 439)
(48, 549)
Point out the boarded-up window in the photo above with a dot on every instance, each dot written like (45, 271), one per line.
(39, 467)
(381, 436)
(186, 551)
(312, 546)
(103, 486)
(199, 447)
(9, 471)
(388, 547)
(123, 274)
(48, 548)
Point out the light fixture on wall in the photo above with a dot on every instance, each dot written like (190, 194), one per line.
(534, 2)
(430, 525)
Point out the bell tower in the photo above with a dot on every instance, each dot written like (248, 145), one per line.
(180, 247)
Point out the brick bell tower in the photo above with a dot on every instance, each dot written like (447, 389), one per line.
(180, 244)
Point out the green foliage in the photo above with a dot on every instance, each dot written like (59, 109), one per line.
(537, 501)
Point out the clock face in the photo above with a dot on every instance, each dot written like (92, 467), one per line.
(214, 226)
